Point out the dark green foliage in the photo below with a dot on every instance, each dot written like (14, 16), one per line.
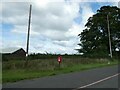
(94, 39)
(50, 56)
(42, 56)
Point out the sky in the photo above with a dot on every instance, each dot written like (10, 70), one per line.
(55, 24)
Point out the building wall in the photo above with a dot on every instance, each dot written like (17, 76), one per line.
(17, 55)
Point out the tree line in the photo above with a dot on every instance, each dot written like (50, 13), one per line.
(94, 39)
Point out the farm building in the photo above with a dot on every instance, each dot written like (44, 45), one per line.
(13, 53)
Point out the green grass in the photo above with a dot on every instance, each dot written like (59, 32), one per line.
(14, 71)
(0, 72)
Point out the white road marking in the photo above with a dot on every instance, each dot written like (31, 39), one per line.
(97, 81)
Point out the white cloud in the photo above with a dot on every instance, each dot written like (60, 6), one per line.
(86, 12)
(53, 28)
(115, 4)
(106, 0)
(22, 29)
(55, 18)
(75, 30)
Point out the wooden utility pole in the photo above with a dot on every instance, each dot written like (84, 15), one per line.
(28, 34)
(109, 37)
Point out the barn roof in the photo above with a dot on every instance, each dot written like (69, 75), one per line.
(10, 50)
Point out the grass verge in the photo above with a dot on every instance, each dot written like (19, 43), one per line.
(13, 75)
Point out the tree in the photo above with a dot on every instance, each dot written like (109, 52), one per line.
(94, 38)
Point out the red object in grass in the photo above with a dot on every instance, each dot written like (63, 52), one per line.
(59, 59)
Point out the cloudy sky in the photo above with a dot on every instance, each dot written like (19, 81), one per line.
(55, 25)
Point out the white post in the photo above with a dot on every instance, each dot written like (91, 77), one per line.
(27, 48)
(109, 37)
(28, 35)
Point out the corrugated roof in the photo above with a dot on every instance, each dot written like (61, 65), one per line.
(10, 50)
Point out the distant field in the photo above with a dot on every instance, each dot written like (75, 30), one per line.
(14, 70)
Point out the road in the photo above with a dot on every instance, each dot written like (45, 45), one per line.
(106, 77)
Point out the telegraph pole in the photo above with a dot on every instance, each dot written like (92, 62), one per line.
(28, 34)
(109, 37)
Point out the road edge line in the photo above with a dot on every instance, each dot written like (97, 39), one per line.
(97, 81)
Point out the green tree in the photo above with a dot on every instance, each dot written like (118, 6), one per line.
(94, 39)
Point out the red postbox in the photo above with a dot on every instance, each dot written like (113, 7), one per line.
(59, 59)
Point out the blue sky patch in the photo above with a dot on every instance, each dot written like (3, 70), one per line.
(7, 27)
